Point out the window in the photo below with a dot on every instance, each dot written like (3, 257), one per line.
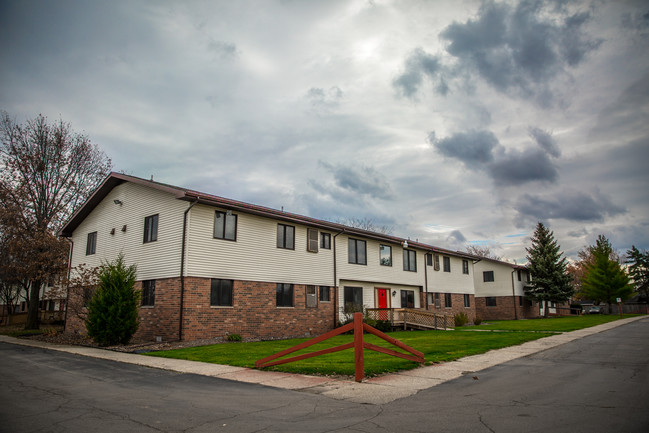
(285, 237)
(148, 293)
(312, 240)
(447, 264)
(410, 260)
(91, 245)
(491, 301)
(325, 294)
(284, 294)
(311, 296)
(448, 301)
(407, 299)
(527, 276)
(465, 267)
(151, 228)
(385, 255)
(436, 262)
(467, 300)
(438, 301)
(520, 301)
(519, 273)
(488, 276)
(357, 251)
(225, 226)
(221, 293)
(325, 241)
(429, 260)
(353, 299)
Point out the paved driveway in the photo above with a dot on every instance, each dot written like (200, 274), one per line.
(599, 383)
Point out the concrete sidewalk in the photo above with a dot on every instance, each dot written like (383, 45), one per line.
(378, 390)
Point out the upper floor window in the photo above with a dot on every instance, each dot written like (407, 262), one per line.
(488, 276)
(465, 267)
(221, 293)
(410, 260)
(357, 251)
(148, 293)
(436, 262)
(429, 260)
(225, 226)
(385, 255)
(519, 273)
(325, 241)
(151, 228)
(284, 295)
(447, 264)
(91, 245)
(285, 237)
(312, 240)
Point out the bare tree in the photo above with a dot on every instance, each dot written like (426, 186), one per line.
(365, 224)
(481, 251)
(48, 170)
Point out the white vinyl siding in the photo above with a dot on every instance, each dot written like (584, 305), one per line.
(504, 275)
(160, 259)
(451, 282)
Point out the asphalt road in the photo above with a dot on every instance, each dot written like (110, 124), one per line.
(596, 384)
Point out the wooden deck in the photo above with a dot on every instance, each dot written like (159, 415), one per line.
(412, 318)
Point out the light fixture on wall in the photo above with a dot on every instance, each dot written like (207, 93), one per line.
(405, 244)
(119, 202)
(394, 293)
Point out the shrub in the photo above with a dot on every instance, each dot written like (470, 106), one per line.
(477, 320)
(113, 310)
(234, 337)
(461, 319)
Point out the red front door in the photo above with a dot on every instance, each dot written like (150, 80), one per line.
(383, 298)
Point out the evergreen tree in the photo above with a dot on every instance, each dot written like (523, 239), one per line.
(605, 280)
(639, 269)
(550, 281)
(113, 309)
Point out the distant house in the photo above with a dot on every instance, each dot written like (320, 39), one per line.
(209, 266)
(499, 291)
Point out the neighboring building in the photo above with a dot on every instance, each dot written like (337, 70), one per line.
(499, 290)
(210, 266)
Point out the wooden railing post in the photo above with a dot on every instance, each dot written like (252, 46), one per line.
(359, 357)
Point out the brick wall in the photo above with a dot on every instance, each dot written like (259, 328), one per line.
(254, 314)
(504, 309)
(457, 305)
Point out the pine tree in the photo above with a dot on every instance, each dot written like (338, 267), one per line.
(639, 269)
(550, 281)
(113, 309)
(605, 280)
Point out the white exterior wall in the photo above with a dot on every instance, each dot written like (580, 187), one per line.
(254, 255)
(502, 284)
(159, 259)
(450, 282)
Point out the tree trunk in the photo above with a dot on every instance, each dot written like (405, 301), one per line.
(32, 311)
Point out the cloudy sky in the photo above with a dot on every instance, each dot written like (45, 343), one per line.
(453, 122)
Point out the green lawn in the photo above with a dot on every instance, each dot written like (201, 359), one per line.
(551, 324)
(437, 346)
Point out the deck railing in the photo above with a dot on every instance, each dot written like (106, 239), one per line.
(412, 318)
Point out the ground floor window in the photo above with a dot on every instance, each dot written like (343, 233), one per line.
(438, 301)
(325, 294)
(491, 301)
(148, 293)
(467, 301)
(221, 293)
(407, 299)
(353, 299)
(284, 295)
(448, 300)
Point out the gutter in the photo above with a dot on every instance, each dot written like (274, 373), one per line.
(182, 270)
(336, 280)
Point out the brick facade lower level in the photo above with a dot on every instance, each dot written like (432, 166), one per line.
(457, 304)
(506, 308)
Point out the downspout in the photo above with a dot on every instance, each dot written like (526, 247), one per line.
(182, 270)
(426, 278)
(336, 281)
(514, 295)
(67, 294)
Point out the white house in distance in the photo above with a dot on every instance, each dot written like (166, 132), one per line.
(209, 266)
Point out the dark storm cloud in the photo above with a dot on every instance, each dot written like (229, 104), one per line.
(360, 180)
(545, 140)
(521, 48)
(420, 65)
(473, 148)
(569, 205)
(482, 150)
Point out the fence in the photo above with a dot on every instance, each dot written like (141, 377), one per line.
(412, 318)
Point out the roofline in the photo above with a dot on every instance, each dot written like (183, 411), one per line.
(115, 179)
(489, 259)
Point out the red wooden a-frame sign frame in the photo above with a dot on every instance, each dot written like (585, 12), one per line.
(358, 344)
